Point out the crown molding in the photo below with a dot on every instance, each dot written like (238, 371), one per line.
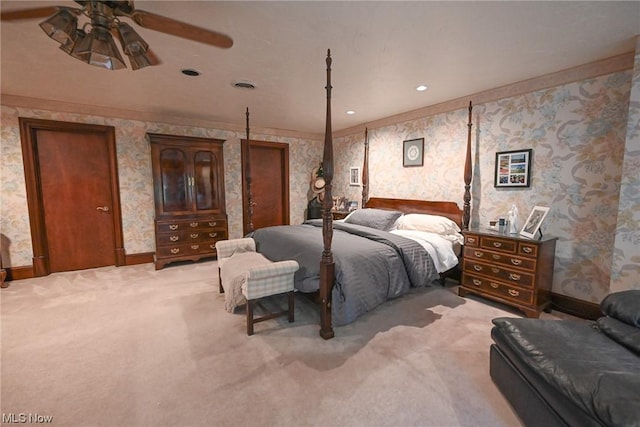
(593, 69)
(118, 113)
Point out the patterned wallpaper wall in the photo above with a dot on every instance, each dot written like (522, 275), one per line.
(625, 272)
(586, 154)
(577, 132)
(136, 183)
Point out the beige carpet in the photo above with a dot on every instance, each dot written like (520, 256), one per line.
(131, 346)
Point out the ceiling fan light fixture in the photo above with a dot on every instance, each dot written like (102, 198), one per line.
(61, 26)
(99, 49)
(132, 43)
(71, 43)
(140, 61)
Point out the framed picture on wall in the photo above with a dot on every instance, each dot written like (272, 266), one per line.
(413, 152)
(513, 169)
(533, 223)
(354, 176)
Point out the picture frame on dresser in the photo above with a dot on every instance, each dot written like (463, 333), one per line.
(534, 221)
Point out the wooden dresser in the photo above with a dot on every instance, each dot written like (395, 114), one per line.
(508, 268)
(188, 183)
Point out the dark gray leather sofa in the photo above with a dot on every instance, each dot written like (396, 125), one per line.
(572, 373)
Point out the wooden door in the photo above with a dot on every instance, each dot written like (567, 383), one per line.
(269, 184)
(73, 195)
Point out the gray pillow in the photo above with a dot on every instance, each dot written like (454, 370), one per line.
(380, 219)
(624, 306)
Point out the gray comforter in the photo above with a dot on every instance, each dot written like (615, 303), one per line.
(371, 266)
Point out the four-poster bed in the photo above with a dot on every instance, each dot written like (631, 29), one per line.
(371, 264)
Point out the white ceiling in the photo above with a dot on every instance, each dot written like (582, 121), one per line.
(381, 51)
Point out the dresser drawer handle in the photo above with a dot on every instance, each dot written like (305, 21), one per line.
(194, 235)
(495, 270)
(213, 223)
(513, 292)
(471, 239)
(497, 244)
(173, 227)
(213, 246)
(477, 282)
(195, 246)
(496, 256)
(527, 249)
(193, 224)
(514, 276)
(174, 238)
(516, 261)
(175, 250)
(478, 254)
(494, 285)
(477, 267)
(213, 234)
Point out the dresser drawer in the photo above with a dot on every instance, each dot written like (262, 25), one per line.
(191, 236)
(508, 275)
(471, 240)
(190, 225)
(498, 244)
(492, 287)
(528, 249)
(500, 258)
(185, 249)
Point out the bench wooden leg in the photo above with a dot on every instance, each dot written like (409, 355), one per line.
(291, 306)
(220, 288)
(250, 316)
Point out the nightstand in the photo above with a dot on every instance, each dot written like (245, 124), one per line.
(508, 268)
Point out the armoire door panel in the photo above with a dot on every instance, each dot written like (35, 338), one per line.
(175, 180)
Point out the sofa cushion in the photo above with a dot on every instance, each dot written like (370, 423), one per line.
(624, 306)
(572, 357)
(621, 332)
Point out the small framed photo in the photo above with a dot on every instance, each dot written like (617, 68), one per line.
(533, 223)
(513, 169)
(352, 206)
(413, 152)
(354, 177)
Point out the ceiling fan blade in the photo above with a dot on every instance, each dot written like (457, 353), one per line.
(180, 29)
(38, 12)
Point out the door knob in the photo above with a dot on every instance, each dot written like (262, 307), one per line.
(103, 208)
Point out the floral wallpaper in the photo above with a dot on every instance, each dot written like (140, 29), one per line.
(585, 138)
(577, 132)
(626, 256)
(134, 174)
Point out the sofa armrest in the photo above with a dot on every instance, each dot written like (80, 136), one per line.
(226, 248)
(270, 279)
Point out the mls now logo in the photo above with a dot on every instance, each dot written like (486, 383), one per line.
(23, 418)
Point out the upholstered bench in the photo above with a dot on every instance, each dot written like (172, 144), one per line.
(246, 276)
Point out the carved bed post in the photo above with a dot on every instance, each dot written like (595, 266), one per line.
(365, 169)
(468, 172)
(326, 264)
(246, 151)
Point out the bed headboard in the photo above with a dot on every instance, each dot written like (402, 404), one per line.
(446, 209)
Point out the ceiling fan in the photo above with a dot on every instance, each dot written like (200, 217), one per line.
(92, 41)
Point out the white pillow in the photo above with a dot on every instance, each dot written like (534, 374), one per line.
(429, 223)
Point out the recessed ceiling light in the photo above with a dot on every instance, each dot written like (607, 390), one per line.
(351, 112)
(421, 88)
(243, 84)
(190, 72)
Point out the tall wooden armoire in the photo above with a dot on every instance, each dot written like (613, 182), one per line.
(188, 185)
